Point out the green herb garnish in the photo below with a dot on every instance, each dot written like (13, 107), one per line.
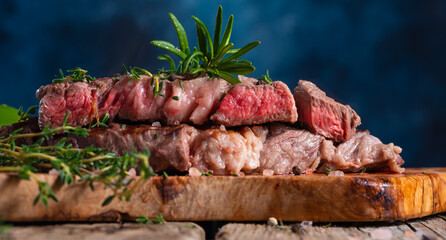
(233, 174)
(5, 227)
(203, 173)
(158, 219)
(222, 96)
(103, 122)
(165, 175)
(89, 164)
(210, 56)
(266, 78)
(363, 170)
(135, 72)
(25, 115)
(176, 98)
(77, 75)
(328, 170)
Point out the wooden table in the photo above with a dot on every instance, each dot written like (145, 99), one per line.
(432, 227)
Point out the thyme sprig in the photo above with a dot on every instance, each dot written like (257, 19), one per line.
(210, 56)
(77, 75)
(135, 72)
(266, 78)
(86, 164)
(25, 115)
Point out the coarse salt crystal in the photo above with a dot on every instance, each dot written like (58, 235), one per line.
(336, 173)
(156, 124)
(223, 128)
(268, 172)
(54, 172)
(131, 172)
(194, 172)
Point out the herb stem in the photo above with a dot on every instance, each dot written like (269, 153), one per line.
(14, 153)
(10, 169)
(40, 155)
(97, 158)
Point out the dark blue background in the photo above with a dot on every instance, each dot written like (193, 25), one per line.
(386, 59)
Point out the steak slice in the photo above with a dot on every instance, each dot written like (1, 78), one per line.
(196, 100)
(28, 126)
(80, 98)
(226, 152)
(249, 104)
(287, 150)
(277, 147)
(181, 147)
(323, 115)
(190, 101)
(365, 151)
(169, 146)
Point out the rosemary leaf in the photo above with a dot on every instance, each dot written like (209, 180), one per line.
(182, 38)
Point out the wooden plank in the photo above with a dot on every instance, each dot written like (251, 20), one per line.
(426, 232)
(436, 224)
(395, 231)
(171, 230)
(370, 232)
(332, 232)
(234, 231)
(317, 197)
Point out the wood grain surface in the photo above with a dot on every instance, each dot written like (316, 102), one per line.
(317, 197)
(432, 227)
(108, 231)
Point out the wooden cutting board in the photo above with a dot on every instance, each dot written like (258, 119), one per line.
(353, 197)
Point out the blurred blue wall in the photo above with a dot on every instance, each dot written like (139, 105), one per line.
(385, 58)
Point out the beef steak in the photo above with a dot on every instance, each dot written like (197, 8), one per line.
(323, 115)
(189, 101)
(247, 104)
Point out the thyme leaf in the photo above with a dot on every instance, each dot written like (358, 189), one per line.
(77, 75)
(266, 78)
(25, 115)
(328, 170)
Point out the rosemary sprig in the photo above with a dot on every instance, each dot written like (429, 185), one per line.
(210, 56)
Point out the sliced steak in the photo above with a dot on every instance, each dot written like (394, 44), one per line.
(80, 98)
(134, 99)
(323, 115)
(169, 146)
(197, 99)
(249, 104)
(28, 126)
(277, 147)
(287, 150)
(226, 152)
(365, 151)
(188, 101)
